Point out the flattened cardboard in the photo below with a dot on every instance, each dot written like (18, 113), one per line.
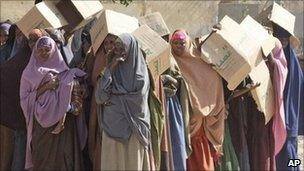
(157, 50)
(42, 15)
(111, 22)
(156, 22)
(264, 94)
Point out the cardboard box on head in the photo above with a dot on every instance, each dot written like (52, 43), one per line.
(111, 22)
(156, 49)
(280, 16)
(78, 12)
(156, 22)
(42, 15)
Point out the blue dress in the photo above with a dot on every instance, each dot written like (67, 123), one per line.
(292, 103)
(177, 133)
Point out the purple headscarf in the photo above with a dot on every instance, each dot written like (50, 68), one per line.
(51, 106)
(5, 27)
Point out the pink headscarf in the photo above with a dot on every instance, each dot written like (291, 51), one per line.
(279, 79)
(51, 106)
(178, 35)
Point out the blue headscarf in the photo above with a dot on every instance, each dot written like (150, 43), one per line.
(124, 96)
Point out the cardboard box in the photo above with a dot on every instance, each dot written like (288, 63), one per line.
(156, 22)
(42, 15)
(111, 22)
(232, 52)
(280, 16)
(78, 12)
(157, 50)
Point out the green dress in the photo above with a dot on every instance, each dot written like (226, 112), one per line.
(228, 160)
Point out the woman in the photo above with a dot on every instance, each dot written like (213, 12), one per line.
(292, 100)
(206, 99)
(123, 91)
(96, 65)
(7, 36)
(51, 99)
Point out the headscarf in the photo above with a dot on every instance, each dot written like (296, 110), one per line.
(293, 86)
(279, 78)
(179, 35)
(11, 112)
(293, 94)
(6, 48)
(65, 49)
(11, 71)
(206, 93)
(51, 106)
(20, 41)
(5, 28)
(125, 95)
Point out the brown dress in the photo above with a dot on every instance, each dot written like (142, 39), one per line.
(56, 151)
(6, 147)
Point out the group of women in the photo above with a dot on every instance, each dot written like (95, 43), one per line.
(65, 108)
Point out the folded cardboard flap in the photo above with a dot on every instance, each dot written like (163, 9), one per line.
(111, 22)
(78, 12)
(42, 15)
(156, 49)
(156, 22)
(257, 32)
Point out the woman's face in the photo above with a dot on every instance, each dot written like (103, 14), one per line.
(43, 53)
(119, 49)
(284, 41)
(179, 47)
(109, 43)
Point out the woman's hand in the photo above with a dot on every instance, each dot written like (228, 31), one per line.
(115, 62)
(53, 84)
(196, 121)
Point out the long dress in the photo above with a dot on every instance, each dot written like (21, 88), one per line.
(237, 120)
(177, 133)
(229, 160)
(201, 157)
(292, 103)
(56, 152)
